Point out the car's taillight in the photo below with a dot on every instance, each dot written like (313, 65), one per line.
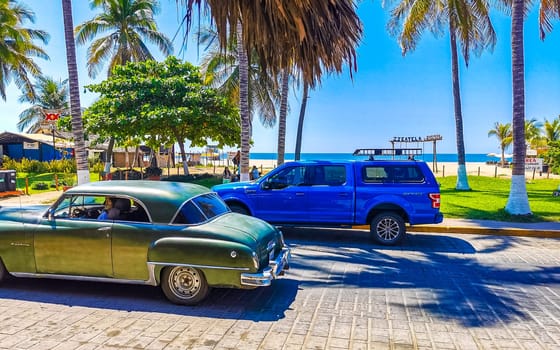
(435, 197)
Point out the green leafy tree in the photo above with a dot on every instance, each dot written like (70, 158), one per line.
(504, 135)
(308, 37)
(129, 24)
(162, 103)
(468, 22)
(49, 94)
(18, 48)
(552, 157)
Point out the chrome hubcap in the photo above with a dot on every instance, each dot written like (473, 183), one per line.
(387, 229)
(185, 282)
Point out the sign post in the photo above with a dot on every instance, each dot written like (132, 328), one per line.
(51, 117)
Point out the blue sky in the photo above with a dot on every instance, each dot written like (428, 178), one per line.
(390, 95)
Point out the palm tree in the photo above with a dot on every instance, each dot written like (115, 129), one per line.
(300, 120)
(17, 48)
(75, 109)
(49, 94)
(552, 130)
(129, 23)
(504, 135)
(468, 23)
(311, 37)
(285, 79)
(222, 68)
(533, 131)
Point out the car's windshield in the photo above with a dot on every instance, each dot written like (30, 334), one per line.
(200, 209)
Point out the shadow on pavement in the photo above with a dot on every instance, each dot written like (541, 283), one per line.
(261, 304)
(360, 238)
(428, 276)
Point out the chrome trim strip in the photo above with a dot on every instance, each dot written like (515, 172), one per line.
(83, 278)
(199, 266)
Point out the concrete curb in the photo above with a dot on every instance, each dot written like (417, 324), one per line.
(485, 231)
(472, 230)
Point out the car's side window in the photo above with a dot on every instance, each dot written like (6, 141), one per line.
(392, 173)
(200, 209)
(407, 174)
(189, 214)
(326, 175)
(79, 207)
(293, 176)
(374, 174)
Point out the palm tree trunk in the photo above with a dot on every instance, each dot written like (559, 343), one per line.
(462, 179)
(244, 105)
(518, 201)
(109, 156)
(300, 121)
(184, 157)
(282, 117)
(75, 109)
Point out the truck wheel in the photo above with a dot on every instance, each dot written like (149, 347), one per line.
(184, 285)
(236, 208)
(387, 228)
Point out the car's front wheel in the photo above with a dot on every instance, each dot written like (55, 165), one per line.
(184, 285)
(387, 228)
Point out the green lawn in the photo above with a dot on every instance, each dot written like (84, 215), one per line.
(488, 197)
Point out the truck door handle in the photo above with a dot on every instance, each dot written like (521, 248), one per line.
(343, 194)
(300, 193)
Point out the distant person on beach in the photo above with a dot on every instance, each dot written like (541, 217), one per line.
(255, 173)
(226, 175)
(236, 158)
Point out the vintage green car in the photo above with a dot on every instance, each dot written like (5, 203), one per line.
(180, 236)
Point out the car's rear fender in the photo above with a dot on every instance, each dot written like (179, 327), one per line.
(222, 262)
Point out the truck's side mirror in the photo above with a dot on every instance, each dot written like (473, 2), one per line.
(50, 214)
(266, 185)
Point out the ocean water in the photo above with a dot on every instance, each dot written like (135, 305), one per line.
(443, 157)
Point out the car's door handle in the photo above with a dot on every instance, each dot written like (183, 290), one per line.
(343, 194)
(104, 228)
(300, 193)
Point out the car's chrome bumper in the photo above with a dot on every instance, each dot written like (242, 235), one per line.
(275, 268)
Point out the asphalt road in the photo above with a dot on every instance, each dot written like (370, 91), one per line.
(436, 291)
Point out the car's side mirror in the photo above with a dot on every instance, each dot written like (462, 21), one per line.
(50, 214)
(266, 185)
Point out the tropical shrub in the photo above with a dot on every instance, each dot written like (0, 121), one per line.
(552, 156)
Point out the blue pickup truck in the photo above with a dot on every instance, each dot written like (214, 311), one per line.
(385, 194)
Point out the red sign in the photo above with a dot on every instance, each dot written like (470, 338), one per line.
(52, 116)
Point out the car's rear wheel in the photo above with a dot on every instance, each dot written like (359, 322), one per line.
(387, 228)
(237, 208)
(184, 285)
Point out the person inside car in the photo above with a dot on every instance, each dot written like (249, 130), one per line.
(109, 203)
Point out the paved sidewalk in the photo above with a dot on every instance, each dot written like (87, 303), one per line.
(488, 227)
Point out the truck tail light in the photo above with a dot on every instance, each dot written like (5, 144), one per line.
(435, 197)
